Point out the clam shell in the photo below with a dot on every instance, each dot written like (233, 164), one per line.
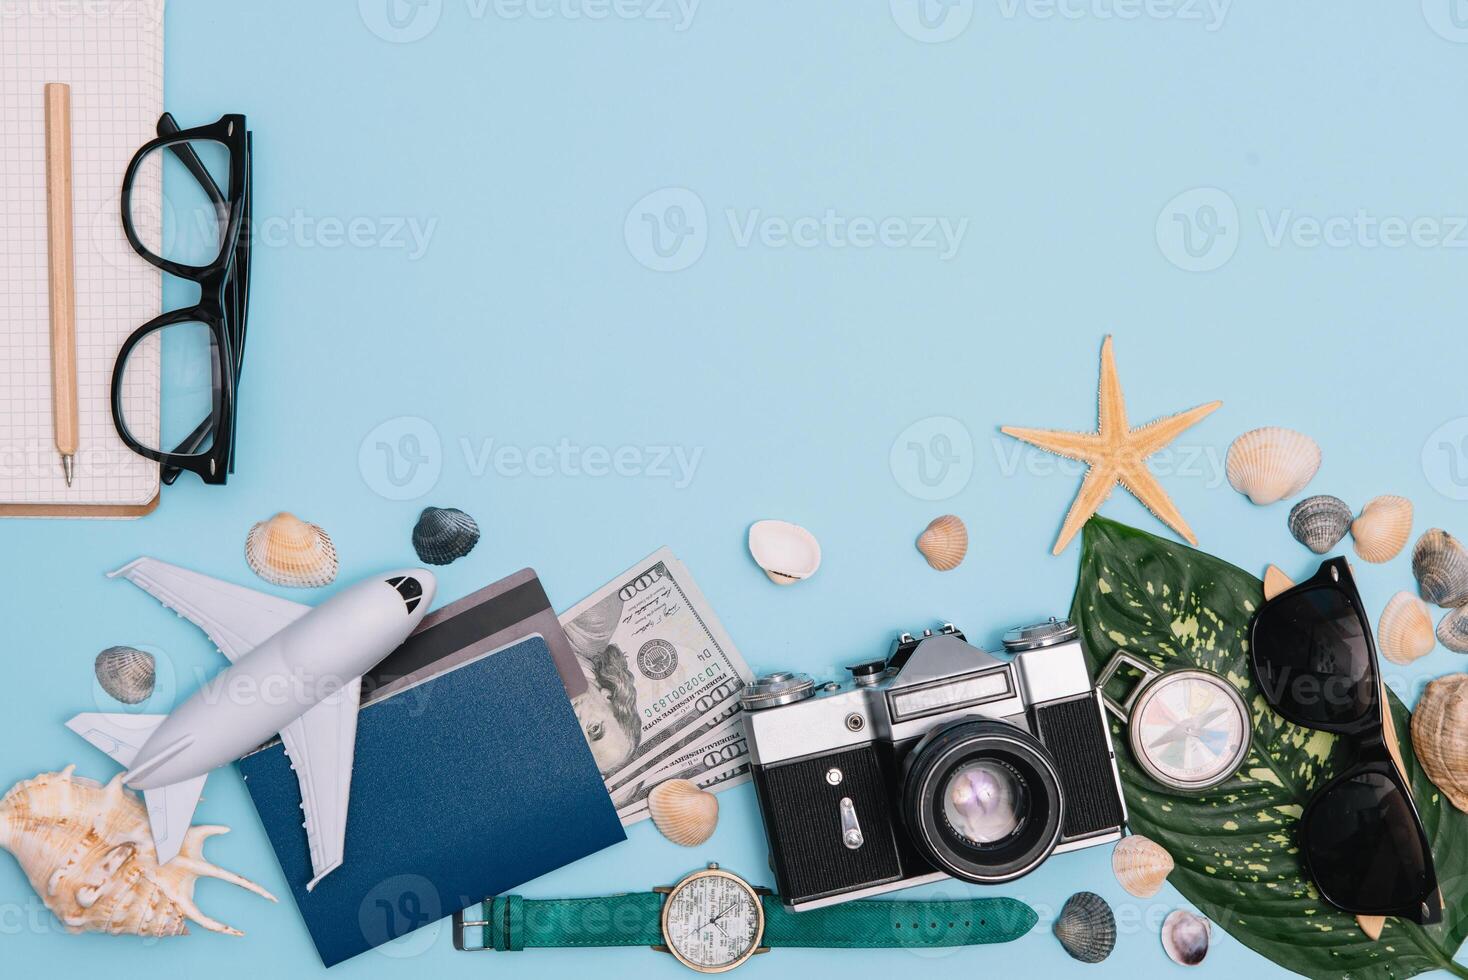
(1272, 463)
(286, 550)
(787, 552)
(682, 812)
(1086, 927)
(1141, 865)
(126, 674)
(1382, 528)
(944, 543)
(88, 852)
(1452, 630)
(1440, 736)
(1320, 522)
(1404, 632)
(444, 534)
(1440, 565)
(1185, 937)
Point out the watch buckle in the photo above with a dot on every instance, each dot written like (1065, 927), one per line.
(460, 925)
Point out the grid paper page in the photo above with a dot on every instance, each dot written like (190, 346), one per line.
(111, 54)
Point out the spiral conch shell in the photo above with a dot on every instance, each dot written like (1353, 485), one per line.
(1440, 736)
(285, 550)
(1141, 865)
(1405, 633)
(1382, 528)
(88, 852)
(944, 542)
(1272, 463)
(682, 812)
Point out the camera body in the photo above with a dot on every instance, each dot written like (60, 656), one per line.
(939, 760)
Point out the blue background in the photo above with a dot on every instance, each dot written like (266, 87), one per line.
(531, 318)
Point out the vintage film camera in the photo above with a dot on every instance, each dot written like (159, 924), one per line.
(940, 760)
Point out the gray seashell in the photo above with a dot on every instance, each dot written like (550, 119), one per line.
(444, 534)
(1452, 631)
(1086, 927)
(1320, 522)
(1185, 937)
(126, 674)
(1440, 565)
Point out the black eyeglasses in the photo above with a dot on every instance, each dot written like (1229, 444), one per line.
(1361, 836)
(202, 235)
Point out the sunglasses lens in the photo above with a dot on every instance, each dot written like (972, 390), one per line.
(1365, 849)
(1313, 658)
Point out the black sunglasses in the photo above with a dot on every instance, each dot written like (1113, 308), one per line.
(1361, 836)
(224, 293)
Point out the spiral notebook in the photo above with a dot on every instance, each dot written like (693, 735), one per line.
(112, 57)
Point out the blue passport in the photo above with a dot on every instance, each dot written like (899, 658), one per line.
(463, 786)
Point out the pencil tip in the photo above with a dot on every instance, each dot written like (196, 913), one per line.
(66, 467)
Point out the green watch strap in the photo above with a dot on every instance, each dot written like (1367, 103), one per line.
(873, 922)
(513, 923)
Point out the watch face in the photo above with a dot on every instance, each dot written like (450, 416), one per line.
(712, 921)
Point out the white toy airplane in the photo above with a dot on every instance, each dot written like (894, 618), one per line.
(295, 669)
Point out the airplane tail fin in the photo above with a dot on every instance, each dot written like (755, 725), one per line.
(170, 808)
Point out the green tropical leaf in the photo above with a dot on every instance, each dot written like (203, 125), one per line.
(1235, 847)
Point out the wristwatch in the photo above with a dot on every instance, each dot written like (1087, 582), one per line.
(712, 921)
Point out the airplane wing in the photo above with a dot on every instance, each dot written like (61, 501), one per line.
(237, 619)
(170, 808)
(321, 744)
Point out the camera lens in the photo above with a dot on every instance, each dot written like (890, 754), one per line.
(981, 800)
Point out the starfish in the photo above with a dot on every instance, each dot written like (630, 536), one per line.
(1116, 453)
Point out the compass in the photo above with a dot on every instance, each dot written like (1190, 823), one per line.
(1188, 729)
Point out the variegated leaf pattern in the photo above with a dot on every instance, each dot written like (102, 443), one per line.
(1235, 846)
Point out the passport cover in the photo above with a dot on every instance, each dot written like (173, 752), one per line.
(463, 786)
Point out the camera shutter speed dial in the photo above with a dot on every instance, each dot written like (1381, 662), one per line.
(773, 690)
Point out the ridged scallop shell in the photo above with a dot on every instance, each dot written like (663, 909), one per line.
(1440, 565)
(1440, 736)
(88, 852)
(944, 543)
(1382, 528)
(126, 674)
(1185, 936)
(444, 534)
(1086, 927)
(682, 812)
(1452, 630)
(286, 550)
(1141, 865)
(1272, 463)
(1320, 522)
(787, 552)
(1404, 633)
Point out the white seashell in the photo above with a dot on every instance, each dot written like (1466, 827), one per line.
(1272, 463)
(787, 552)
(1086, 927)
(1185, 937)
(1320, 522)
(1440, 565)
(1404, 633)
(1141, 865)
(1452, 630)
(682, 812)
(285, 550)
(1382, 528)
(126, 674)
(88, 852)
(1440, 736)
(944, 543)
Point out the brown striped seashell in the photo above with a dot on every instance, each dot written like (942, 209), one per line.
(286, 550)
(682, 812)
(1141, 865)
(1404, 632)
(1452, 630)
(88, 852)
(126, 674)
(1382, 528)
(944, 542)
(1440, 565)
(1440, 736)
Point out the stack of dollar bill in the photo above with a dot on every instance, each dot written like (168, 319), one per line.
(664, 681)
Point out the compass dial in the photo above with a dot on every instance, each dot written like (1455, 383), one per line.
(712, 921)
(1190, 729)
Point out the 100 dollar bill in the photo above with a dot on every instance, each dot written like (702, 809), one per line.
(663, 677)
